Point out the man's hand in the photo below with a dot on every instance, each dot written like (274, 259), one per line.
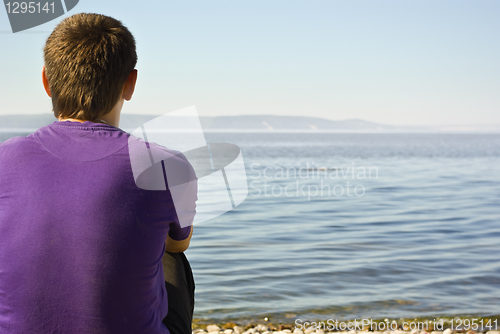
(175, 246)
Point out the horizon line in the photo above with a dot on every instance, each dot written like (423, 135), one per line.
(468, 125)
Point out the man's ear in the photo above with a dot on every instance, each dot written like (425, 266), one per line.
(45, 82)
(129, 87)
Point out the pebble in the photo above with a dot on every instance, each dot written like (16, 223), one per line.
(448, 331)
(199, 331)
(298, 331)
(238, 330)
(228, 331)
(213, 328)
(262, 328)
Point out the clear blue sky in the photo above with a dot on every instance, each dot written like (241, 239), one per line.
(413, 62)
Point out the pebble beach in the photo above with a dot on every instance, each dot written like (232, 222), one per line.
(401, 327)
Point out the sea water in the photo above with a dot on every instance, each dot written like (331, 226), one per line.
(355, 225)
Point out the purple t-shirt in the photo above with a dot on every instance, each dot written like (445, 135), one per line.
(80, 243)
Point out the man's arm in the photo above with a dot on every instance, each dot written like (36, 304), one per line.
(178, 246)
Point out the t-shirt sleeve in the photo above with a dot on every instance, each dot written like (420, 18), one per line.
(184, 196)
(156, 167)
(177, 233)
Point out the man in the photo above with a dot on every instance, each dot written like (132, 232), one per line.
(81, 245)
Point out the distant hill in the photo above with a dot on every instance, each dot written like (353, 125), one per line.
(249, 123)
(225, 123)
(10, 122)
(270, 122)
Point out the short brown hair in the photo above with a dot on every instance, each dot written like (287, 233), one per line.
(88, 58)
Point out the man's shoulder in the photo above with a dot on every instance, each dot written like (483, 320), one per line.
(154, 164)
(153, 152)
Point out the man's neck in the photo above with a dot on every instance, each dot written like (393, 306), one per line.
(112, 118)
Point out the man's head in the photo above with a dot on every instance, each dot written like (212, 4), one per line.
(88, 59)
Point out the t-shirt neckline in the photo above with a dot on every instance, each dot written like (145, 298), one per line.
(85, 125)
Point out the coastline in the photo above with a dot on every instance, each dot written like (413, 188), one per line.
(428, 325)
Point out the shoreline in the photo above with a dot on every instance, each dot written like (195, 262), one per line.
(423, 325)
